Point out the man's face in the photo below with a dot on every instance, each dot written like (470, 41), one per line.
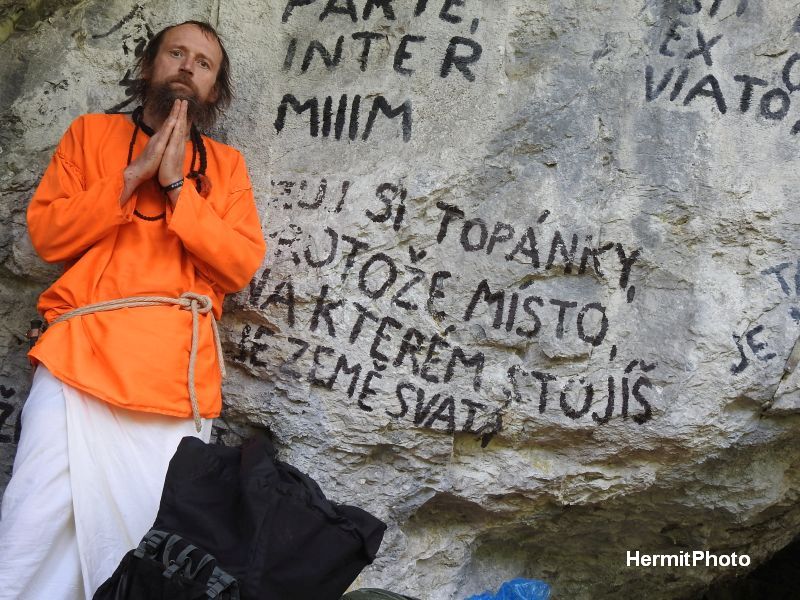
(185, 67)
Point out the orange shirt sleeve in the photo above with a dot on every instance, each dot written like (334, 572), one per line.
(228, 248)
(65, 216)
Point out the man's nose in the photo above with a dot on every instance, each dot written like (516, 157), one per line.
(187, 65)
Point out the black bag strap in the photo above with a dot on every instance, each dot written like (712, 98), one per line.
(221, 581)
(184, 555)
(155, 539)
(182, 562)
(207, 558)
(172, 566)
(150, 543)
(156, 549)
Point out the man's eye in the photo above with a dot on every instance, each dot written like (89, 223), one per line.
(175, 52)
(204, 64)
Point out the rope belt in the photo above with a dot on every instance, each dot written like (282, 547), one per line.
(199, 304)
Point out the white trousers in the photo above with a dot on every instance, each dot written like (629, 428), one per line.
(85, 488)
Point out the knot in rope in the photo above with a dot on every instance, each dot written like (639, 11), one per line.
(198, 304)
(193, 299)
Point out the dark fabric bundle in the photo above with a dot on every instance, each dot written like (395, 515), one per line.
(267, 524)
(167, 567)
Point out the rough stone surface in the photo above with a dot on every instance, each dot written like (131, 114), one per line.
(503, 215)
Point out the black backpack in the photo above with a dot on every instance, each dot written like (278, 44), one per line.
(167, 567)
(266, 523)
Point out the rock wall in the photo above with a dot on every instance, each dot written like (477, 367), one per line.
(531, 291)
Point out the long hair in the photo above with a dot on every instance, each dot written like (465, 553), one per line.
(144, 64)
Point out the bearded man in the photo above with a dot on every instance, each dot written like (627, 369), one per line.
(154, 223)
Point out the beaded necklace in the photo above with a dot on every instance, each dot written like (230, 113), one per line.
(202, 182)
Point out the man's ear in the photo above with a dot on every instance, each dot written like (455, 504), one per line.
(213, 94)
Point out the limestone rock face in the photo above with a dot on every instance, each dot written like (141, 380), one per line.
(532, 285)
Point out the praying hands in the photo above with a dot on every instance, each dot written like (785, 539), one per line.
(163, 155)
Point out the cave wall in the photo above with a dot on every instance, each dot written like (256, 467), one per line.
(531, 287)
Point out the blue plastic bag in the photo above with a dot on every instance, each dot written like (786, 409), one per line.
(518, 589)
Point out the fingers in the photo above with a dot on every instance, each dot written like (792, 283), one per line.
(179, 130)
(166, 129)
(177, 121)
(176, 108)
(171, 168)
(171, 134)
(182, 120)
(166, 144)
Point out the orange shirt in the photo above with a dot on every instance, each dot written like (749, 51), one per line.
(138, 358)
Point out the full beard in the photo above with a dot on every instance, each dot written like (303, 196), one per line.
(161, 97)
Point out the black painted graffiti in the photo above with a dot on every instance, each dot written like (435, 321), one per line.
(757, 348)
(7, 410)
(126, 82)
(778, 272)
(448, 11)
(571, 252)
(406, 362)
(379, 275)
(392, 197)
(692, 7)
(576, 395)
(461, 54)
(686, 43)
(475, 237)
(340, 116)
(774, 104)
(590, 334)
(751, 343)
(131, 42)
(440, 408)
(702, 48)
(434, 361)
(429, 407)
(379, 105)
(283, 190)
(54, 86)
(388, 339)
(135, 11)
(431, 357)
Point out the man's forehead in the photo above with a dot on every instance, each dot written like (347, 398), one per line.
(189, 34)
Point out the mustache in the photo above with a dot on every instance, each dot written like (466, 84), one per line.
(184, 79)
(162, 96)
